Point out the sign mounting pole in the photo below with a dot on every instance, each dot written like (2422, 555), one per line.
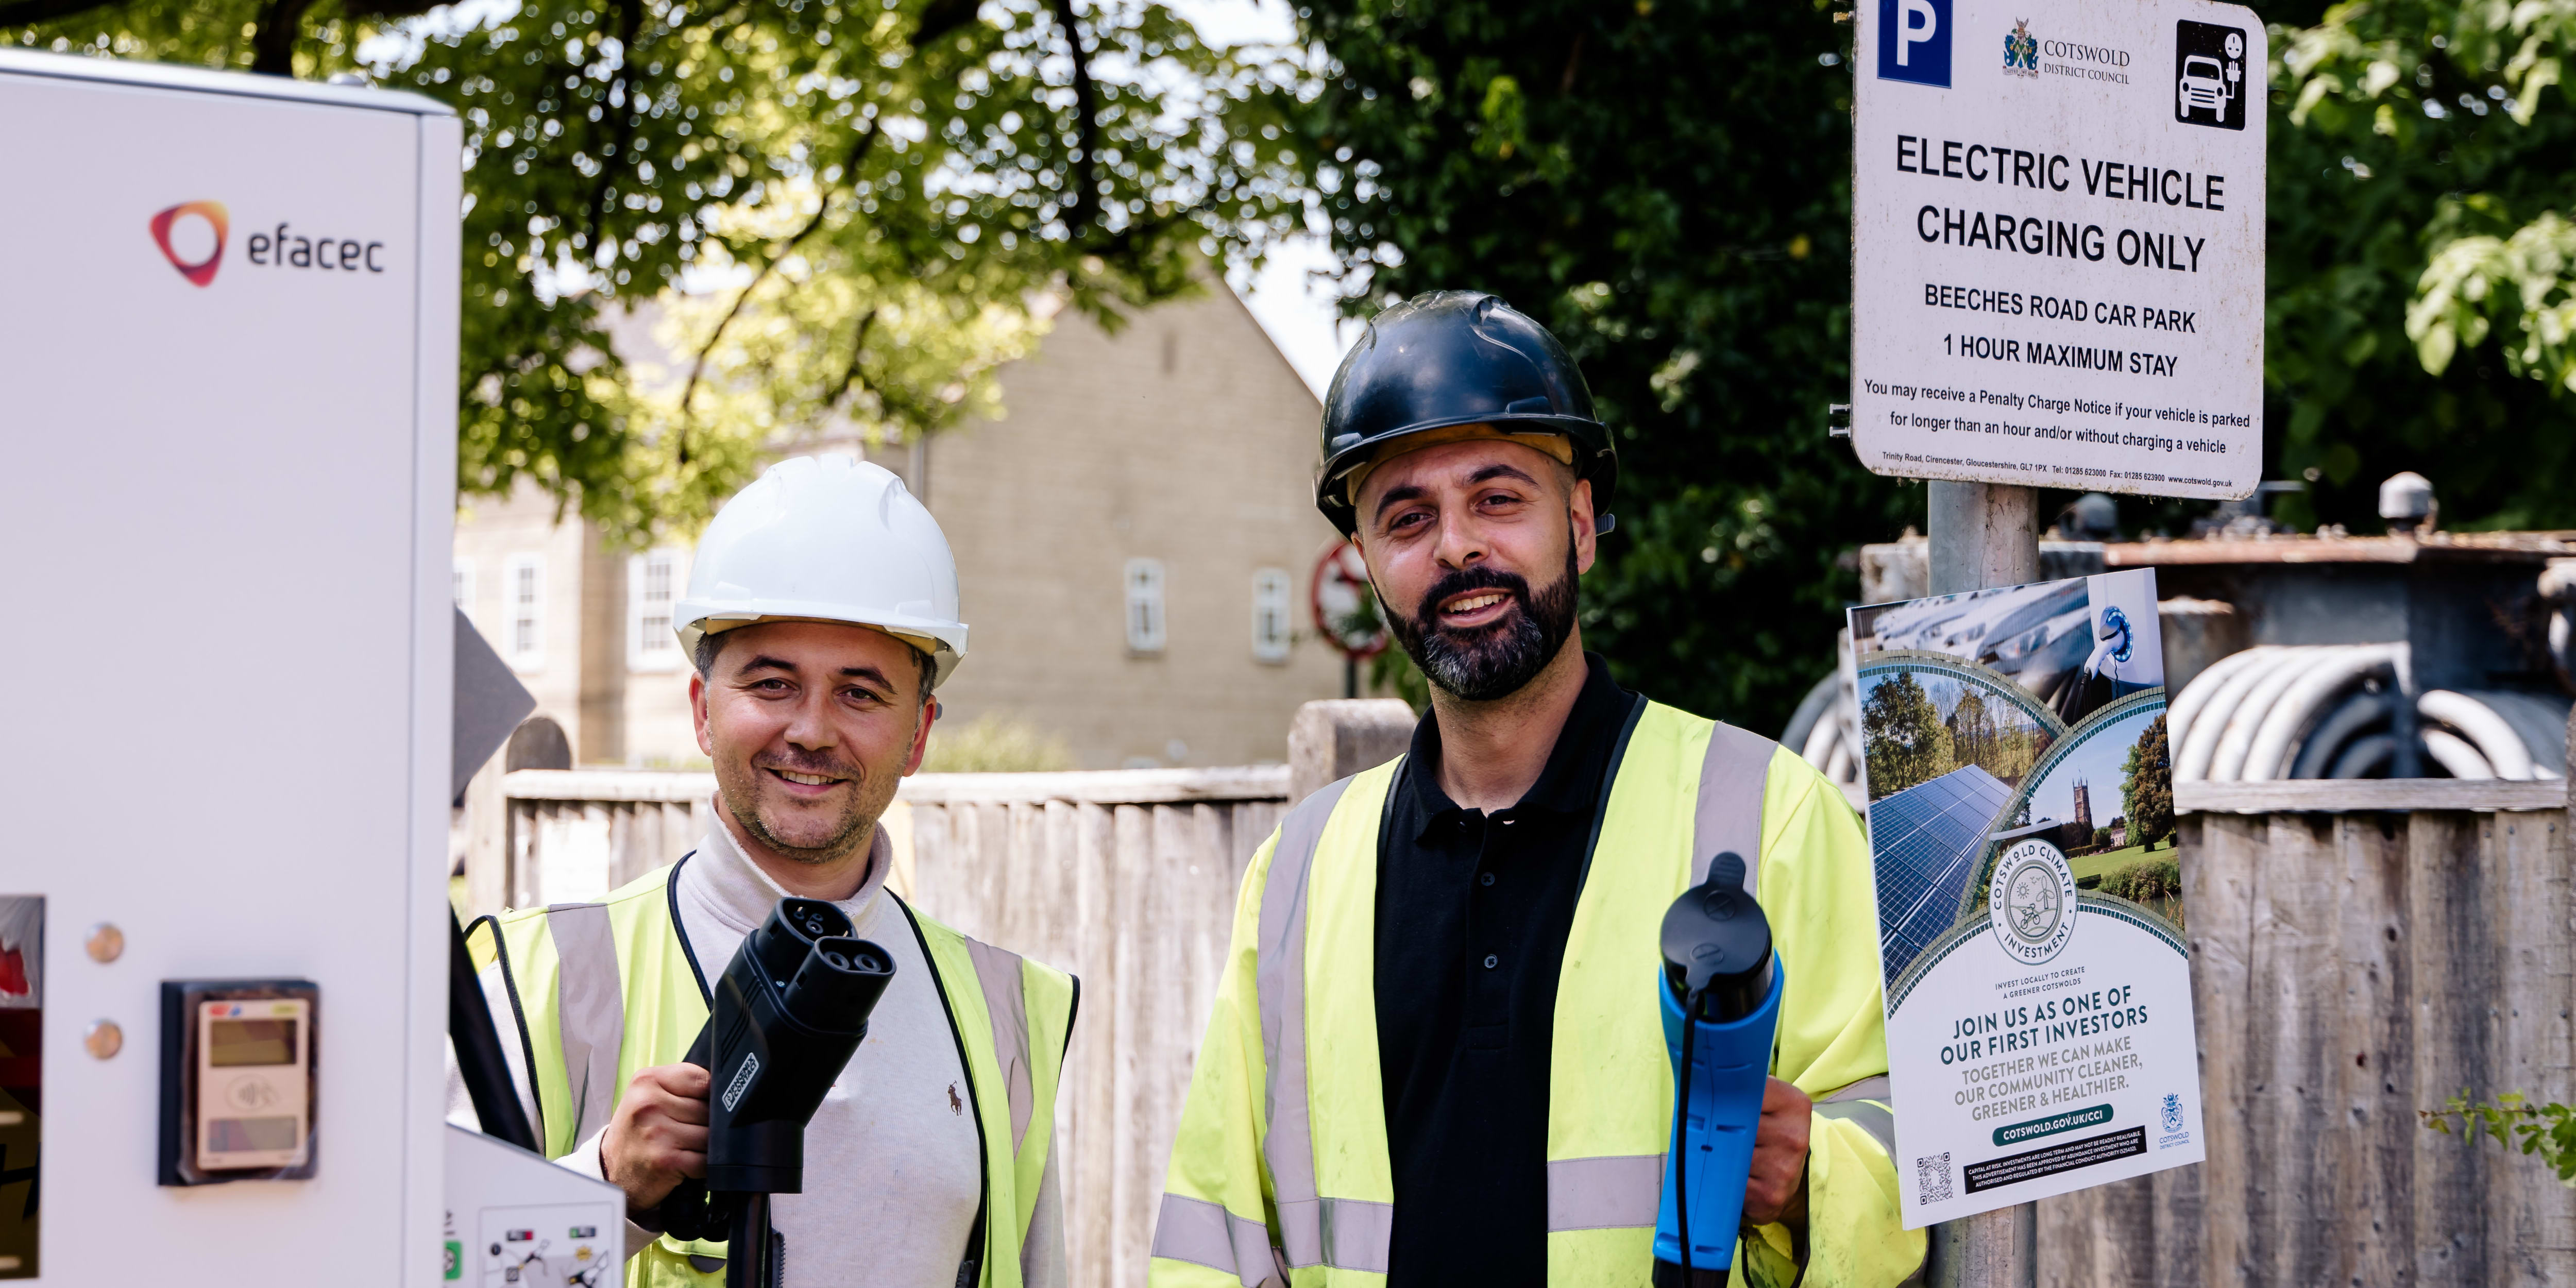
(1984, 534)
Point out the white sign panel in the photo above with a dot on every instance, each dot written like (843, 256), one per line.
(2057, 225)
(2030, 908)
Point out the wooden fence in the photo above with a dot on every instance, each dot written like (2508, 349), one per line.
(2363, 950)
(1127, 879)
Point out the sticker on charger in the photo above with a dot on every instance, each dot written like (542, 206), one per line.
(741, 1080)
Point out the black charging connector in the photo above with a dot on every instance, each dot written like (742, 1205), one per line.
(790, 1009)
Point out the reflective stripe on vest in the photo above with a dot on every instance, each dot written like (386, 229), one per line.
(590, 1008)
(1205, 1234)
(1609, 1192)
(998, 971)
(1854, 1104)
(1347, 1234)
(1727, 817)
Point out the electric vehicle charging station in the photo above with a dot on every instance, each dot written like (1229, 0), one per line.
(230, 345)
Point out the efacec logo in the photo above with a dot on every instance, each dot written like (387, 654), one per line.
(197, 268)
(192, 236)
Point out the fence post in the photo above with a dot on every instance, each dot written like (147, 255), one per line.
(487, 862)
(1339, 737)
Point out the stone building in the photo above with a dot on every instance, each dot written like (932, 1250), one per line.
(1135, 541)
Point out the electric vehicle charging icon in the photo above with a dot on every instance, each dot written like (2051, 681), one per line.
(2203, 87)
(2211, 79)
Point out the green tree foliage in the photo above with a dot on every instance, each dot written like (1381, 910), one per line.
(994, 743)
(2547, 1130)
(2153, 884)
(1903, 740)
(2421, 257)
(864, 195)
(2146, 787)
(1994, 735)
(1666, 185)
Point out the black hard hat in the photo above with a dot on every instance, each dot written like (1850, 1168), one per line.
(1457, 358)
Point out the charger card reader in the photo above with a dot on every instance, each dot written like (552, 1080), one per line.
(252, 1063)
(237, 1080)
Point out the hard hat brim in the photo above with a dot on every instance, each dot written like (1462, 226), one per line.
(1594, 458)
(945, 642)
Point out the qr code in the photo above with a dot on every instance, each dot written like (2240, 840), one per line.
(1932, 1179)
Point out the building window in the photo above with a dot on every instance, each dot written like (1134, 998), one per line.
(1271, 591)
(460, 585)
(523, 603)
(652, 582)
(1145, 606)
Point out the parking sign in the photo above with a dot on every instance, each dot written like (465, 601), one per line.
(2057, 227)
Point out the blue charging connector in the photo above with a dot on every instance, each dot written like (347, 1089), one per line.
(1721, 1006)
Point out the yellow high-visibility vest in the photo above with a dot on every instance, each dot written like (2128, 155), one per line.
(605, 989)
(1280, 1172)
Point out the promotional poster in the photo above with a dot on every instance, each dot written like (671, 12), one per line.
(2030, 909)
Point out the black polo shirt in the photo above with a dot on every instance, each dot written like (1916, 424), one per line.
(1472, 914)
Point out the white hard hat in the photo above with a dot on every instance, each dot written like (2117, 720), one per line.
(827, 538)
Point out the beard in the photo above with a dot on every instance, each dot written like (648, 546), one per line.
(742, 786)
(1495, 660)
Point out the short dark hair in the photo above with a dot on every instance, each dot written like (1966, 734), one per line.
(712, 643)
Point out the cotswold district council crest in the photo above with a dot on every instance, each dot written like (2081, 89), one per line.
(2031, 903)
(2021, 50)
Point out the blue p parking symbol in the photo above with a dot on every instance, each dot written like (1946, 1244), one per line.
(1914, 41)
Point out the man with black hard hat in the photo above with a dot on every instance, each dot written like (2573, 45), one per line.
(1436, 1055)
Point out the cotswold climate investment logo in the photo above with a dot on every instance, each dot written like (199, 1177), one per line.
(182, 232)
(2031, 901)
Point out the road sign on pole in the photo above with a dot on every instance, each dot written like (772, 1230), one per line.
(2057, 262)
(1346, 611)
(1344, 606)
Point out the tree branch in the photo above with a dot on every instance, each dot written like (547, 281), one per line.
(630, 20)
(849, 169)
(858, 347)
(272, 41)
(1086, 104)
(387, 9)
(20, 13)
(939, 17)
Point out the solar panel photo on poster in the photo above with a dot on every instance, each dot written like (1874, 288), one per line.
(1927, 837)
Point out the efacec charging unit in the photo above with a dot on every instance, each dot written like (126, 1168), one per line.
(267, 453)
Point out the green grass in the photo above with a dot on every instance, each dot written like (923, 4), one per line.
(2094, 865)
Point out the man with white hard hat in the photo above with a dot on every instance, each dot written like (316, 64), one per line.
(821, 613)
